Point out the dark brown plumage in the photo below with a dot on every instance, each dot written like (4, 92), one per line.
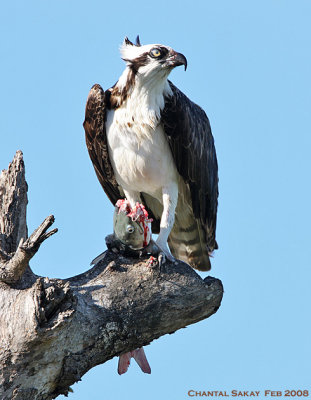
(96, 141)
(190, 137)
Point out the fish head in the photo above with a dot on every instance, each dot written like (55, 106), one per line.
(132, 233)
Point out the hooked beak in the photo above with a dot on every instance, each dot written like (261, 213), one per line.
(177, 59)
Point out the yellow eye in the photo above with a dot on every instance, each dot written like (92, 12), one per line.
(155, 53)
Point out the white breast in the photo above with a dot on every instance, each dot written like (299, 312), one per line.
(139, 151)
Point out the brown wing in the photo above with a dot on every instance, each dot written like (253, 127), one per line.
(96, 142)
(192, 144)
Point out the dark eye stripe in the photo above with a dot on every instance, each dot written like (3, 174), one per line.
(164, 51)
(144, 58)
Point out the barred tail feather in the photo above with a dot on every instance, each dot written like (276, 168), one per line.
(187, 242)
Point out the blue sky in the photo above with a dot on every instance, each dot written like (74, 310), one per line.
(249, 65)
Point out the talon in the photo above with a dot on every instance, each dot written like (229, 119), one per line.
(165, 250)
(161, 259)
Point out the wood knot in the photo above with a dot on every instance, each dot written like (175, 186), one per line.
(55, 301)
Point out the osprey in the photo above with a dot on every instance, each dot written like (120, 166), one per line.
(150, 144)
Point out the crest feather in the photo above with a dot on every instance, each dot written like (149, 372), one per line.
(138, 41)
(130, 51)
(127, 42)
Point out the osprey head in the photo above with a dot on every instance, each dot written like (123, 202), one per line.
(151, 59)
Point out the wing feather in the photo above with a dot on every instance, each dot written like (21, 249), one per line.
(96, 142)
(192, 144)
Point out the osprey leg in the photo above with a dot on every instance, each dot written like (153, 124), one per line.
(132, 196)
(169, 199)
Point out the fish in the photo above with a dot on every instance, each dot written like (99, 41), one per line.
(131, 231)
(132, 226)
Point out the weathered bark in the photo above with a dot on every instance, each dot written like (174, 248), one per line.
(52, 331)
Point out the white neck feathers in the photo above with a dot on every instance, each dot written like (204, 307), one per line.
(145, 95)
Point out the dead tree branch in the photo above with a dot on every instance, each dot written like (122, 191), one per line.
(52, 331)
